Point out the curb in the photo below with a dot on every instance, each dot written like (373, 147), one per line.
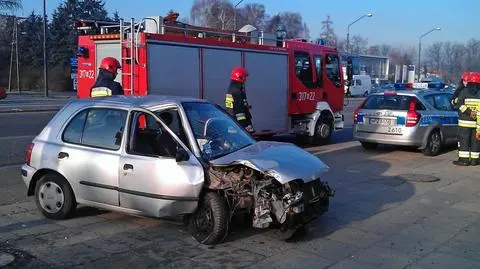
(20, 110)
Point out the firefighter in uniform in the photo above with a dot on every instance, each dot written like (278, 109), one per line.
(462, 86)
(236, 99)
(468, 101)
(105, 85)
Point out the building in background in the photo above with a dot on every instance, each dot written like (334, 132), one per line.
(377, 67)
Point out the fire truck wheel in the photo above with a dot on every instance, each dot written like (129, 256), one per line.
(323, 131)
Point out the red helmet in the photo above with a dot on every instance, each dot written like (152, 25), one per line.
(239, 74)
(474, 77)
(110, 64)
(466, 76)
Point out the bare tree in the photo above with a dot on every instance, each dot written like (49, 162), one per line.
(358, 45)
(291, 22)
(253, 14)
(328, 33)
(435, 57)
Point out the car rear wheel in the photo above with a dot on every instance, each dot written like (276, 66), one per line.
(209, 224)
(54, 197)
(369, 145)
(434, 144)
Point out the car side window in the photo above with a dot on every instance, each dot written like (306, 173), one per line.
(333, 69)
(358, 82)
(149, 138)
(303, 69)
(97, 127)
(429, 99)
(171, 118)
(104, 128)
(73, 131)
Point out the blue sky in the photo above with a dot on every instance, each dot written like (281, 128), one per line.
(395, 22)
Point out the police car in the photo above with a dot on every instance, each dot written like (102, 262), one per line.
(411, 115)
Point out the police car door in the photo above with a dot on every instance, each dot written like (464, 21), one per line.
(449, 117)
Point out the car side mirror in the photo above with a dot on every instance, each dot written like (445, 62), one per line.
(182, 155)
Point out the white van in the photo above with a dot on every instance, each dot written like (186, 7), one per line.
(361, 85)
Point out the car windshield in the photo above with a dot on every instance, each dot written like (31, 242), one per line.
(216, 133)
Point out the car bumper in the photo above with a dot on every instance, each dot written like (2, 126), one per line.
(27, 174)
(408, 138)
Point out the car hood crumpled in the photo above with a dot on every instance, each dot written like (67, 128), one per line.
(283, 161)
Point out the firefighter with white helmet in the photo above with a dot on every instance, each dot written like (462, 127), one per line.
(105, 85)
(236, 99)
(468, 102)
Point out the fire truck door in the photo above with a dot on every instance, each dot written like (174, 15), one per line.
(108, 49)
(333, 82)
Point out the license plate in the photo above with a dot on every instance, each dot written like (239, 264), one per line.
(385, 122)
(394, 130)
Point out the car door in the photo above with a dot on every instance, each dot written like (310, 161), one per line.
(449, 118)
(90, 154)
(159, 175)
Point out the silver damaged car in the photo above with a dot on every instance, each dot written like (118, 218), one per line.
(164, 157)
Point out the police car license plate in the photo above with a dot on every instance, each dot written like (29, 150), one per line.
(384, 122)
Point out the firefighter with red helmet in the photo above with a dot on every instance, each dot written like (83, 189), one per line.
(468, 102)
(105, 85)
(236, 99)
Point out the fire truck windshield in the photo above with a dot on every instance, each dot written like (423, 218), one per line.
(216, 133)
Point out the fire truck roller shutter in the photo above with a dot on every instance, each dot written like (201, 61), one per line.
(267, 90)
(173, 70)
(108, 49)
(217, 65)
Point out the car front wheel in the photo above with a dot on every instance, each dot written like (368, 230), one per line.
(54, 197)
(209, 224)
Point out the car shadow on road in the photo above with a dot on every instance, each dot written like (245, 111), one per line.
(363, 189)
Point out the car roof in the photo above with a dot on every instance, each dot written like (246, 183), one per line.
(413, 92)
(148, 101)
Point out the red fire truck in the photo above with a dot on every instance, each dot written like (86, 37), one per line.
(294, 86)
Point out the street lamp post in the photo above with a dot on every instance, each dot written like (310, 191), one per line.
(235, 15)
(45, 60)
(420, 49)
(348, 29)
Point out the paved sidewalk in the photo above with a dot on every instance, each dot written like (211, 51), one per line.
(381, 217)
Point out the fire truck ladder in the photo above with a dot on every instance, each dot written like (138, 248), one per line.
(128, 45)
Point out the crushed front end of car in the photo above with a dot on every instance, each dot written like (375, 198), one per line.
(273, 192)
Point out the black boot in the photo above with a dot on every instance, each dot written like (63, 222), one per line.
(461, 162)
(474, 162)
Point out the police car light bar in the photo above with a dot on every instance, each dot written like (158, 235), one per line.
(421, 85)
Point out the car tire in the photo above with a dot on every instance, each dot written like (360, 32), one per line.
(322, 133)
(369, 145)
(54, 197)
(434, 144)
(209, 223)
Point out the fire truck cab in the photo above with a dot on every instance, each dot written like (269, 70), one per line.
(294, 86)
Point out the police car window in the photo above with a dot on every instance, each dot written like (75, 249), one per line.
(104, 128)
(393, 102)
(442, 102)
(333, 72)
(73, 131)
(303, 69)
(429, 100)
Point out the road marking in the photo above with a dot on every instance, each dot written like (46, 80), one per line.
(17, 137)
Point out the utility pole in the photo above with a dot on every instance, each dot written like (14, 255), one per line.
(45, 60)
(420, 50)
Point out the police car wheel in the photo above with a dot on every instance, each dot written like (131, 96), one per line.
(54, 197)
(434, 144)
